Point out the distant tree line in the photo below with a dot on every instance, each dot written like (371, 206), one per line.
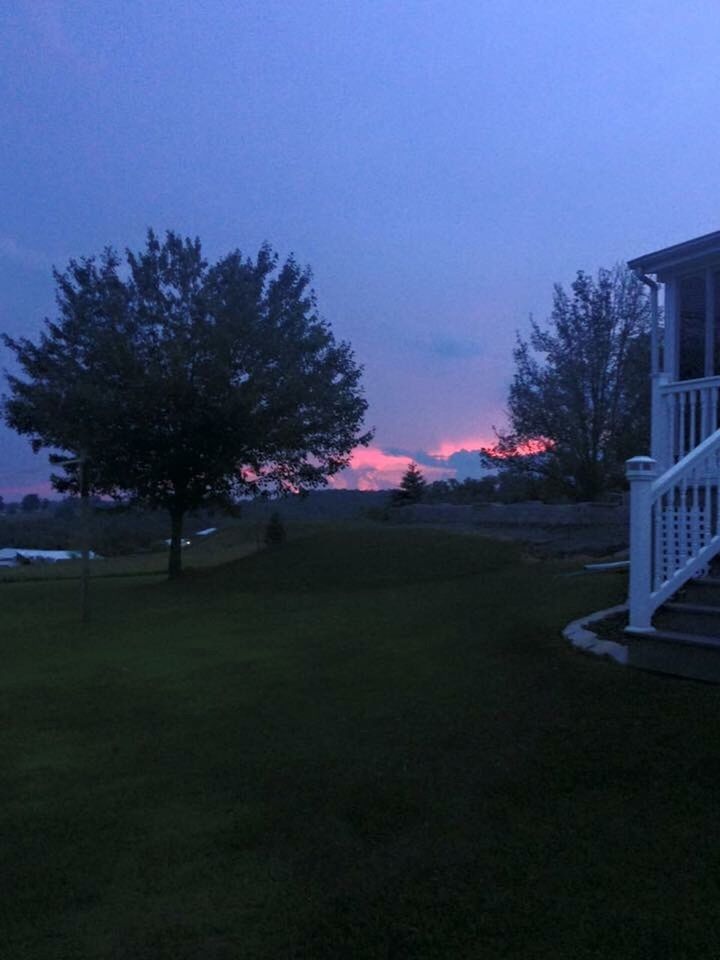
(502, 487)
(29, 504)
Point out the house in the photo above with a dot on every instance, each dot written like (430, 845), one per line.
(674, 500)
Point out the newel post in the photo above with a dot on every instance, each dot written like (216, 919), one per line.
(661, 422)
(640, 473)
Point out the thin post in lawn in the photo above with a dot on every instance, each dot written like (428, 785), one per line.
(84, 540)
(84, 486)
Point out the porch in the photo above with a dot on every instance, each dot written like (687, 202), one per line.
(675, 508)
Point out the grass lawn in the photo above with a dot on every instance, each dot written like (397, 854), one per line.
(369, 743)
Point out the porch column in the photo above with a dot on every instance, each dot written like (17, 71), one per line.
(670, 339)
(654, 330)
(660, 446)
(660, 422)
(709, 323)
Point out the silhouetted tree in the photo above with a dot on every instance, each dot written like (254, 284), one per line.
(30, 503)
(579, 401)
(185, 384)
(412, 486)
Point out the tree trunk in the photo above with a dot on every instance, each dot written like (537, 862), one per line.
(175, 558)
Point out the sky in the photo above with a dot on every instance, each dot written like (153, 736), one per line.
(438, 165)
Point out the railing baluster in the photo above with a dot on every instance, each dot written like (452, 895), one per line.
(682, 398)
(673, 405)
(707, 513)
(704, 413)
(682, 553)
(694, 518)
(670, 534)
(692, 431)
(658, 573)
(713, 474)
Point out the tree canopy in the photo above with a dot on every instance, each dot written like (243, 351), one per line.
(579, 401)
(183, 383)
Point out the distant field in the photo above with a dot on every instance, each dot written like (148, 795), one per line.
(229, 543)
(368, 743)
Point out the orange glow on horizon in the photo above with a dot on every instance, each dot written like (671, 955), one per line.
(448, 447)
(529, 448)
(371, 468)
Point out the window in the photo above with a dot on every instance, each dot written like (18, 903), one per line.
(691, 340)
(716, 318)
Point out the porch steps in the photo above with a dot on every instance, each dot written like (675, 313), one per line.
(688, 655)
(707, 582)
(701, 608)
(686, 640)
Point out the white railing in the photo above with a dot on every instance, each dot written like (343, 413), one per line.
(674, 526)
(690, 409)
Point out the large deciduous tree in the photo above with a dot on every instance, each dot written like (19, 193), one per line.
(579, 401)
(182, 383)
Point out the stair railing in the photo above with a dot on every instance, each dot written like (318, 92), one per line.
(674, 526)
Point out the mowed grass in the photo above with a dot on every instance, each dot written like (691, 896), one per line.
(368, 743)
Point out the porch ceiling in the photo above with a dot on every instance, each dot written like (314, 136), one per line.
(681, 256)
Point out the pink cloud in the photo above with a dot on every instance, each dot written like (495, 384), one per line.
(373, 469)
(447, 448)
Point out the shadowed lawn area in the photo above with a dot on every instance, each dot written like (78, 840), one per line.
(368, 743)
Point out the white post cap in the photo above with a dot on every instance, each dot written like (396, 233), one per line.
(640, 467)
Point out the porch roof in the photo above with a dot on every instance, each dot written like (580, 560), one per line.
(680, 255)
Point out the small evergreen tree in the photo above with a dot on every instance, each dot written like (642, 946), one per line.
(412, 486)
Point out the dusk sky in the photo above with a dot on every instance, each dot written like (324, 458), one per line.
(439, 165)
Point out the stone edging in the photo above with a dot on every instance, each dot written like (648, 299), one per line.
(589, 642)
